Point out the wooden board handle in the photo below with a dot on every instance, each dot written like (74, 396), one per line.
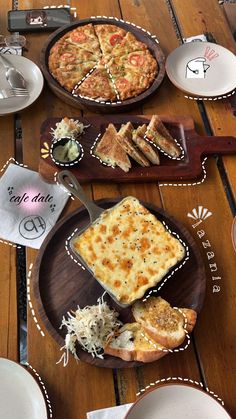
(221, 145)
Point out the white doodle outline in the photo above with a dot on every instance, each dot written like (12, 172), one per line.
(155, 145)
(68, 250)
(66, 164)
(97, 157)
(162, 380)
(30, 303)
(64, 6)
(186, 258)
(64, 189)
(118, 101)
(172, 350)
(81, 81)
(193, 183)
(211, 98)
(163, 152)
(17, 246)
(43, 387)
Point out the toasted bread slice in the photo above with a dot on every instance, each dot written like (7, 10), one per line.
(164, 324)
(124, 139)
(130, 344)
(158, 133)
(144, 146)
(110, 152)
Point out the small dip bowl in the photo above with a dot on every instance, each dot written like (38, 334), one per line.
(66, 151)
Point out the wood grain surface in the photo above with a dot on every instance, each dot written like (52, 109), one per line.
(90, 168)
(199, 20)
(8, 283)
(79, 388)
(68, 285)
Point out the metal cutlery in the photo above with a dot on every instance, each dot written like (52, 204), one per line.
(8, 93)
(13, 76)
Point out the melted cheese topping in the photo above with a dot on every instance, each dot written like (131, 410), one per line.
(128, 250)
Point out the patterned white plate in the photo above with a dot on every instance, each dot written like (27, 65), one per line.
(202, 69)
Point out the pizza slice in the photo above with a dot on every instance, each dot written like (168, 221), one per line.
(70, 76)
(63, 55)
(98, 85)
(84, 37)
(132, 73)
(128, 44)
(109, 36)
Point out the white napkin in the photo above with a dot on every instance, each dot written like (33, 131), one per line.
(117, 412)
(29, 207)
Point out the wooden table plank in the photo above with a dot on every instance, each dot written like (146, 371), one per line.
(186, 198)
(126, 379)
(75, 388)
(8, 282)
(217, 355)
(196, 21)
(146, 14)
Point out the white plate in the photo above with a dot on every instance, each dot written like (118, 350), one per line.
(34, 81)
(20, 395)
(202, 69)
(177, 401)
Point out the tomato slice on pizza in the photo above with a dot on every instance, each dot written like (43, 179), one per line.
(109, 36)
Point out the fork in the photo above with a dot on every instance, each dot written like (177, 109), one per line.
(22, 90)
(7, 93)
(14, 77)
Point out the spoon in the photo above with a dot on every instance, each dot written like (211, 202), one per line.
(13, 76)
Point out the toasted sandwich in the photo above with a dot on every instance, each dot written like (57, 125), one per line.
(110, 152)
(124, 139)
(143, 145)
(158, 133)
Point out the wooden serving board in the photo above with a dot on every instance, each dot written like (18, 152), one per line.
(182, 128)
(95, 106)
(60, 285)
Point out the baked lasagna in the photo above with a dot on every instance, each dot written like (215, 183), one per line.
(128, 250)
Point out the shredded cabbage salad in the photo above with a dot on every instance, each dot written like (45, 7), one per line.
(68, 128)
(90, 326)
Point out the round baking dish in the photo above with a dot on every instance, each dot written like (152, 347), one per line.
(94, 105)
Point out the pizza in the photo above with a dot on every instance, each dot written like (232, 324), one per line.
(102, 62)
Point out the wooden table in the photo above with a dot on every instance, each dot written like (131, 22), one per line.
(80, 388)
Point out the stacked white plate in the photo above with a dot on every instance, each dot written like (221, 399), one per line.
(202, 69)
(34, 83)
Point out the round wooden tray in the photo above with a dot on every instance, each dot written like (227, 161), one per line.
(90, 104)
(60, 285)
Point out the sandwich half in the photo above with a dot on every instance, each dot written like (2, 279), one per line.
(144, 146)
(110, 152)
(124, 139)
(157, 132)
